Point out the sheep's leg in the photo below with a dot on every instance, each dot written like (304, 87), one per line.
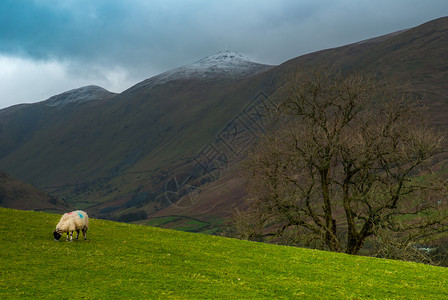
(71, 235)
(77, 233)
(84, 233)
(68, 236)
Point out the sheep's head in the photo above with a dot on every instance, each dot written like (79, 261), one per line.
(57, 235)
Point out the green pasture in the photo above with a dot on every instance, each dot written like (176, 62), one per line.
(133, 261)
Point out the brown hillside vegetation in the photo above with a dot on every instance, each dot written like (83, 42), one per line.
(20, 195)
(416, 57)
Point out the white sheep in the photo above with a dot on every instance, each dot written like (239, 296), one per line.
(75, 220)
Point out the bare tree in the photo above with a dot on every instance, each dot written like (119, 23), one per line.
(346, 161)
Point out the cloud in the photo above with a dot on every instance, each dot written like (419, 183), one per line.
(157, 34)
(27, 81)
(19, 75)
(115, 41)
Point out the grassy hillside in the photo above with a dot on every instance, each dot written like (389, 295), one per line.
(129, 261)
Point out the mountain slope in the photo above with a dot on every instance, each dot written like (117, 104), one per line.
(44, 138)
(20, 195)
(127, 261)
(222, 65)
(94, 151)
(83, 94)
(19, 124)
(415, 56)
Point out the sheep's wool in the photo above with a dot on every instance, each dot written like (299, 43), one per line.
(79, 214)
(73, 221)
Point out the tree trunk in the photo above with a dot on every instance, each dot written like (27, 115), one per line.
(354, 244)
(330, 230)
(356, 241)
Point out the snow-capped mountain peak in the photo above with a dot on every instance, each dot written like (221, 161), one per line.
(223, 58)
(83, 94)
(225, 64)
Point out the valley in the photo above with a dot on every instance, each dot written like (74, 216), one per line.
(168, 150)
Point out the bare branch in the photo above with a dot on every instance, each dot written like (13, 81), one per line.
(347, 160)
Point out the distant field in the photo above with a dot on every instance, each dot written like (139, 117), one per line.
(183, 223)
(131, 261)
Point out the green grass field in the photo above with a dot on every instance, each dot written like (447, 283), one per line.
(132, 261)
(182, 223)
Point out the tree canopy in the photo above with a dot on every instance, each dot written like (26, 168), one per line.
(346, 160)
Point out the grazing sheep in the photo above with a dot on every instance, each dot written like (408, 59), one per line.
(75, 220)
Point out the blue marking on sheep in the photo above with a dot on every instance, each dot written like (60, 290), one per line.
(80, 215)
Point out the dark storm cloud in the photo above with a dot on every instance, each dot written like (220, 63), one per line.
(162, 34)
(100, 31)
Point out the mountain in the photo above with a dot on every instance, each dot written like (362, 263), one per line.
(168, 150)
(226, 64)
(113, 147)
(77, 96)
(20, 195)
(415, 56)
(20, 123)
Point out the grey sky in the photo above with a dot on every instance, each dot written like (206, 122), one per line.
(48, 47)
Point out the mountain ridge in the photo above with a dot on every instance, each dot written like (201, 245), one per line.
(224, 65)
(79, 95)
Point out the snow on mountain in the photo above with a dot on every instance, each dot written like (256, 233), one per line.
(226, 64)
(223, 63)
(83, 94)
